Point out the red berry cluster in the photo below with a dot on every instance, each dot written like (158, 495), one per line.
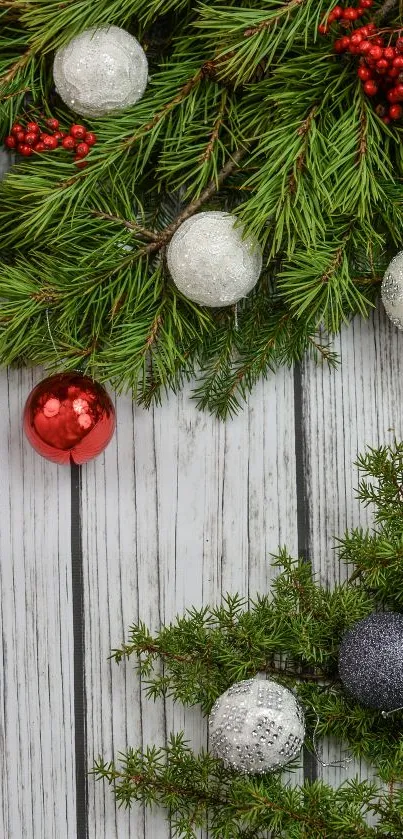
(380, 65)
(31, 138)
(345, 16)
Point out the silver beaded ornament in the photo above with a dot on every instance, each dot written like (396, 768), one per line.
(256, 726)
(210, 262)
(392, 290)
(100, 71)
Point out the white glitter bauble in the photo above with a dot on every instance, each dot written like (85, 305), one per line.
(392, 290)
(256, 726)
(100, 71)
(210, 262)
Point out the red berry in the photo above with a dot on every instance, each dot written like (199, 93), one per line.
(68, 142)
(10, 142)
(398, 61)
(20, 136)
(365, 46)
(17, 127)
(82, 150)
(356, 38)
(58, 135)
(365, 31)
(49, 142)
(337, 12)
(91, 138)
(389, 53)
(39, 146)
(31, 138)
(81, 164)
(391, 95)
(364, 73)
(395, 111)
(52, 123)
(350, 13)
(386, 120)
(322, 29)
(24, 149)
(376, 53)
(370, 87)
(399, 92)
(382, 66)
(78, 132)
(378, 42)
(354, 49)
(366, 4)
(337, 46)
(393, 73)
(32, 128)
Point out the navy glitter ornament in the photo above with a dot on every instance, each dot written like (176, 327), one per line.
(371, 661)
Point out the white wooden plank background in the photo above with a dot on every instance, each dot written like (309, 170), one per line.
(178, 510)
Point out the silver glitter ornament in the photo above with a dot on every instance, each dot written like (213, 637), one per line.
(100, 71)
(371, 661)
(256, 726)
(210, 262)
(392, 290)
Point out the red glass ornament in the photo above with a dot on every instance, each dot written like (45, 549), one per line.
(69, 418)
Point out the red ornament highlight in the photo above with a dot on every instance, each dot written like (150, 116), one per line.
(69, 418)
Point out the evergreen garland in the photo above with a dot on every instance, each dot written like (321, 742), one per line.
(247, 108)
(292, 634)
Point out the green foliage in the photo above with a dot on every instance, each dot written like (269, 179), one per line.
(292, 634)
(315, 175)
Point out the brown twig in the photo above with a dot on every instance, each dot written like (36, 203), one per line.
(387, 7)
(166, 235)
(267, 24)
(131, 225)
(8, 77)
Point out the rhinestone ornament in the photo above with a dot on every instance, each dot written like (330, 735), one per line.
(100, 71)
(371, 661)
(69, 418)
(210, 262)
(392, 290)
(256, 726)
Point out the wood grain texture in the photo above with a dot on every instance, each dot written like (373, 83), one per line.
(179, 510)
(37, 796)
(344, 410)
